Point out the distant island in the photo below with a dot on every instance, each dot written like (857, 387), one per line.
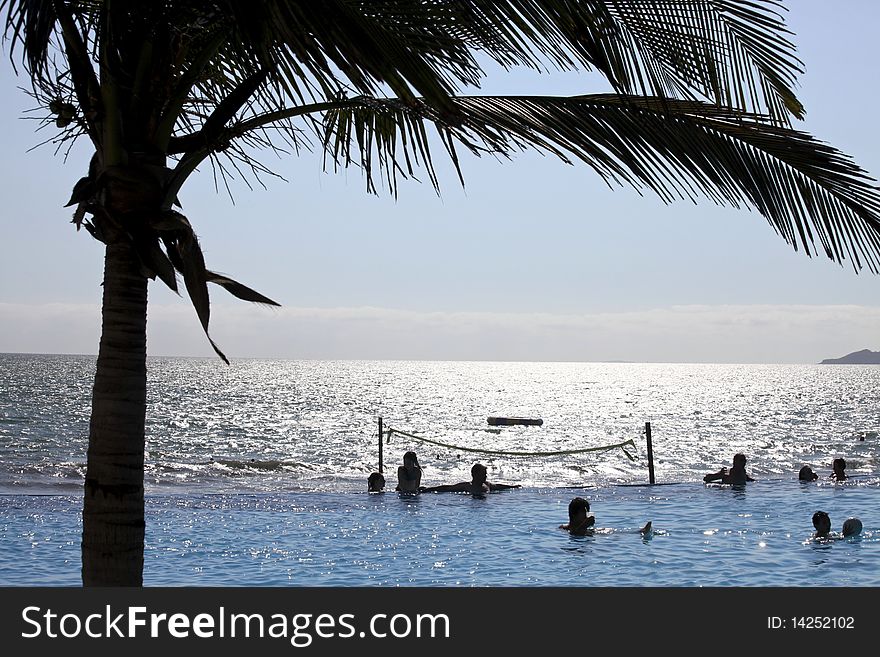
(863, 357)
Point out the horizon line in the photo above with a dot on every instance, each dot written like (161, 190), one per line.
(442, 360)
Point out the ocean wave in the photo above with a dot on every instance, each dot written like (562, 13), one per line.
(262, 465)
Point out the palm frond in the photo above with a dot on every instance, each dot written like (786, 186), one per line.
(810, 193)
(730, 52)
(30, 26)
(733, 53)
(236, 289)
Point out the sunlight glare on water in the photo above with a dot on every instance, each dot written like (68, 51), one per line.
(263, 425)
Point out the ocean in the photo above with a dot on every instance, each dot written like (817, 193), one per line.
(256, 472)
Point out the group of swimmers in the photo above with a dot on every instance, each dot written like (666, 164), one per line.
(738, 474)
(822, 523)
(409, 480)
(838, 471)
(580, 520)
(821, 520)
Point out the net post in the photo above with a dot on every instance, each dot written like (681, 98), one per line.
(380, 444)
(650, 453)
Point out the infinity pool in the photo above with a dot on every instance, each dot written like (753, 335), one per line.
(702, 536)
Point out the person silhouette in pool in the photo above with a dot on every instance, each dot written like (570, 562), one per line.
(478, 484)
(822, 523)
(375, 483)
(806, 474)
(838, 469)
(852, 527)
(581, 522)
(737, 474)
(409, 475)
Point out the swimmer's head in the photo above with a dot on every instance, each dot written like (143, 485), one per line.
(478, 473)
(375, 482)
(577, 507)
(739, 459)
(807, 474)
(410, 458)
(822, 523)
(852, 527)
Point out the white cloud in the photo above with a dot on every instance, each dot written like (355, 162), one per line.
(694, 333)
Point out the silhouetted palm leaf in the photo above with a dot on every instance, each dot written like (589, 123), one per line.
(237, 289)
(808, 191)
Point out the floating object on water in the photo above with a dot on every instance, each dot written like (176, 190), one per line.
(510, 421)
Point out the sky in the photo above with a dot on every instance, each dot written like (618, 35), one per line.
(532, 260)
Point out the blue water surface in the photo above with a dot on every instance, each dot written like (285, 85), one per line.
(757, 535)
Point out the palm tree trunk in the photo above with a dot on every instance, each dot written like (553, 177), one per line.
(113, 508)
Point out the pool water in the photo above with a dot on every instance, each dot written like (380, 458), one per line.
(758, 535)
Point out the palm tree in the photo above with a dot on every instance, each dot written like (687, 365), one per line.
(700, 104)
